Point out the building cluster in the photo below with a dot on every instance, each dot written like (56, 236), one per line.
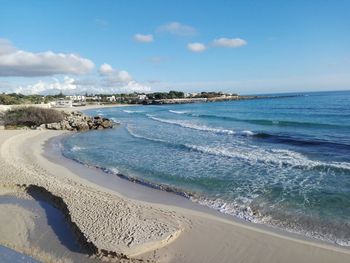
(134, 98)
(80, 100)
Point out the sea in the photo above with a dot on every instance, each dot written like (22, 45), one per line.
(282, 161)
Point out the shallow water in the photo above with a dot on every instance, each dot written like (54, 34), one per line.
(8, 255)
(284, 162)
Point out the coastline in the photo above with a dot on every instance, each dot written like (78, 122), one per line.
(224, 241)
(144, 191)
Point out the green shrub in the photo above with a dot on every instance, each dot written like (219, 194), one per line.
(31, 116)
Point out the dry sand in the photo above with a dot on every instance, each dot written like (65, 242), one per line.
(95, 106)
(156, 232)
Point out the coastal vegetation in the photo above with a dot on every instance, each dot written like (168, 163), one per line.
(31, 116)
(166, 95)
(41, 118)
(17, 98)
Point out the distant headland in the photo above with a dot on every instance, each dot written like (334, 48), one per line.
(157, 98)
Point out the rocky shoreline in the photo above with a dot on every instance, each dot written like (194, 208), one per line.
(77, 121)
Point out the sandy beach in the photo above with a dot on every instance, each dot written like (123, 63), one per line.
(108, 223)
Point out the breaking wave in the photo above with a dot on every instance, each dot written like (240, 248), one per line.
(274, 157)
(194, 126)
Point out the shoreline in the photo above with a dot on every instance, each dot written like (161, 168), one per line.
(224, 241)
(151, 192)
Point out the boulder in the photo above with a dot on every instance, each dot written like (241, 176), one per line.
(82, 126)
(54, 126)
(76, 121)
(66, 126)
(106, 123)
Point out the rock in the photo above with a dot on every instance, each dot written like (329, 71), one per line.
(66, 126)
(82, 126)
(54, 126)
(76, 121)
(106, 123)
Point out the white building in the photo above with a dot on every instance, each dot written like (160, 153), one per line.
(111, 98)
(190, 95)
(142, 97)
(79, 98)
(94, 98)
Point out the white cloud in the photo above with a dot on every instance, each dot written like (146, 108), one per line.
(177, 28)
(143, 38)
(106, 69)
(229, 42)
(69, 85)
(124, 76)
(114, 80)
(133, 86)
(6, 47)
(52, 87)
(15, 62)
(114, 75)
(196, 47)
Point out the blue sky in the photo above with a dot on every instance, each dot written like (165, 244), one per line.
(237, 46)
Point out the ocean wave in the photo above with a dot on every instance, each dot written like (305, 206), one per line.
(194, 126)
(253, 155)
(133, 111)
(115, 120)
(276, 138)
(292, 140)
(177, 112)
(237, 208)
(276, 157)
(268, 122)
(133, 134)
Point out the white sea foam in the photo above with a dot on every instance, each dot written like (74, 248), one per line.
(244, 211)
(276, 157)
(190, 125)
(132, 133)
(114, 170)
(177, 112)
(201, 127)
(133, 111)
(240, 210)
(76, 148)
(255, 155)
(115, 120)
(248, 133)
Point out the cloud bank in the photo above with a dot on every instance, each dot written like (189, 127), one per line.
(115, 80)
(49, 87)
(20, 63)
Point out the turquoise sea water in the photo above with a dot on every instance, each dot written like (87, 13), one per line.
(283, 162)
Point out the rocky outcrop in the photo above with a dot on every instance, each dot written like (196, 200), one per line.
(77, 121)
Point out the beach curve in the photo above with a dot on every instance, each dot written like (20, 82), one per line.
(187, 235)
(114, 226)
